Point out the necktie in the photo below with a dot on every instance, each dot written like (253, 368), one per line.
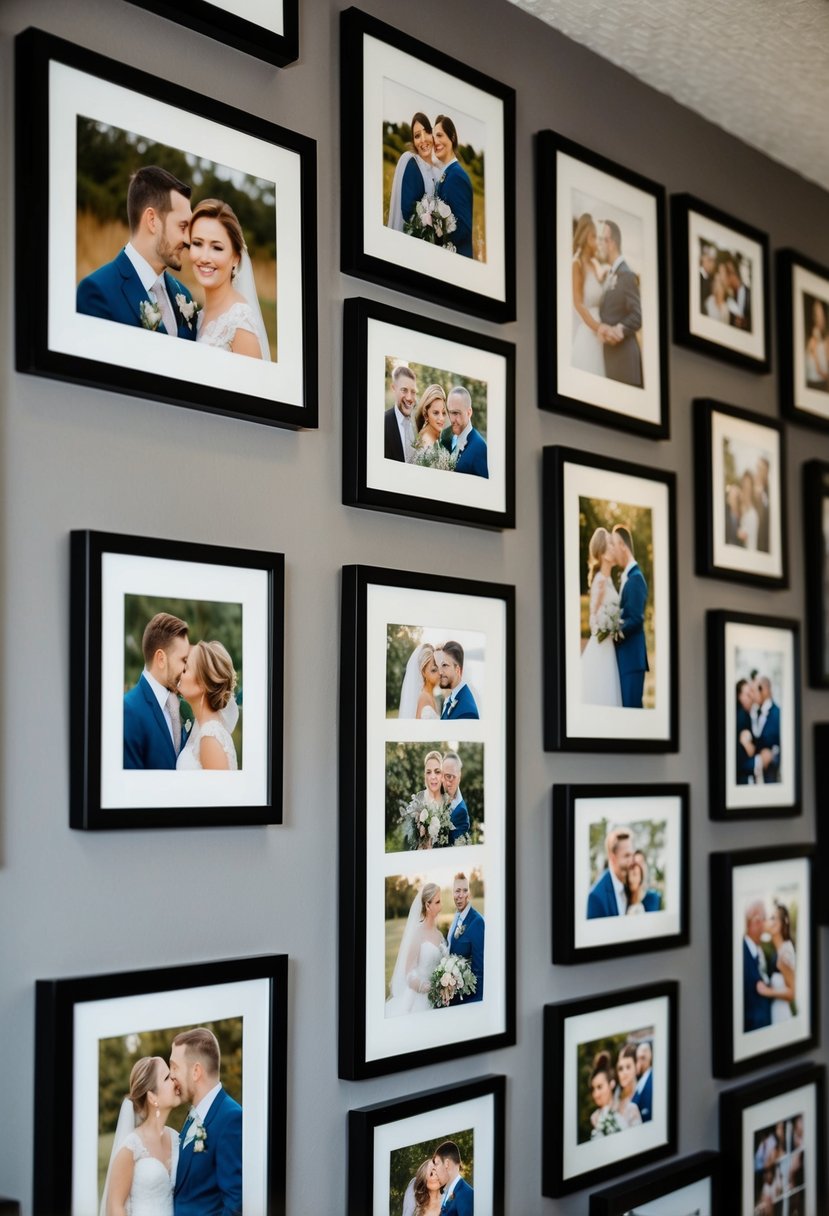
(188, 1123)
(454, 926)
(174, 709)
(454, 443)
(163, 300)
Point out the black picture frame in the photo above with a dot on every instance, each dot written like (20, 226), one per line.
(366, 1125)
(727, 437)
(738, 644)
(569, 1166)
(742, 881)
(820, 736)
(56, 340)
(741, 1116)
(9, 1207)
(695, 223)
(233, 29)
(802, 284)
(565, 386)
(370, 250)
(382, 873)
(662, 1183)
(372, 478)
(577, 810)
(255, 581)
(572, 479)
(815, 535)
(62, 1042)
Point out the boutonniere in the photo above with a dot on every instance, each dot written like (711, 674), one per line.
(199, 1138)
(188, 309)
(459, 932)
(150, 313)
(188, 725)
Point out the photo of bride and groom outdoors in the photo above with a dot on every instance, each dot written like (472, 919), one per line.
(440, 426)
(429, 1178)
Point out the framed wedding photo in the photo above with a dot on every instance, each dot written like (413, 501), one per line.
(773, 1143)
(721, 278)
(803, 322)
(137, 202)
(740, 475)
(266, 29)
(449, 1139)
(763, 957)
(176, 684)
(623, 1043)
(609, 573)
(103, 1039)
(620, 857)
(423, 402)
(428, 171)
(753, 715)
(816, 558)
(602, 296)
(427, 820)
(688, 1187)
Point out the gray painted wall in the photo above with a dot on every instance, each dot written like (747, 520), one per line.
(76, 903)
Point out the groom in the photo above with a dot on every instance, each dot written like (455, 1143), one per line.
(458, 810)
(466, 936)
(152, 714)
(620, 313)
(631, 649)
(756, 1008)
(461, 436)
(459, 701)
(137, 287)
(458, 1196)
(209, 1174)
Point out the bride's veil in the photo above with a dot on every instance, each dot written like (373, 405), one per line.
(409, 1200)
(125, 1125)
(412, 685)
(399, 984)
(396, 217)
(246, 285)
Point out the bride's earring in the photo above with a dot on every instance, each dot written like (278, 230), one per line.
(157, 1112)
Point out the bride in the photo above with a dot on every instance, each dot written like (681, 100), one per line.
(142, 1167)
(231, 318)
(423, 1195)
(422, 948)
(207, 685)
(414, 174)
(587, 353)
(599, 670)
(781, 991)
(417, 695)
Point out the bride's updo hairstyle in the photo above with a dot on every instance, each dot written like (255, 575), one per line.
(427, 653)
(602, 1063)
(143, 1079)
(433, 393)
(213, 668)
(215, 209)
(432, 756)
(584, 226)
(449, 128)
(595, 552)
(427, 895)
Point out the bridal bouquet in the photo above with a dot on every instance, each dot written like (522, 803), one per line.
(436, 456)
(432, 220)
(608, 618)
(453, 977)
(426, 824)
(606, 1124)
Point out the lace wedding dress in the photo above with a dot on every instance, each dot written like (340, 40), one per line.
(781, 1011)
(587, 351)
(189, 755)
(599, 670)
(151, 1193)
(222, 330)
(409, 1000)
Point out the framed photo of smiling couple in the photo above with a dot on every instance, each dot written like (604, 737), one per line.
(427, 853)
(145, 212)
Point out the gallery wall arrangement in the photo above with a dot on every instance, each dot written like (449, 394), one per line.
(415, 722)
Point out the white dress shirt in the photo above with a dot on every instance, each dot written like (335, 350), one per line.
(152, 282)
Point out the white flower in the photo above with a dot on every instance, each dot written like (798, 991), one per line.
(198, 1146)
(434, 827)
(150, 314)
(443, 209)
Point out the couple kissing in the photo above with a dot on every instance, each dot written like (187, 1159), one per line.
(615, 659)
(439, 1186)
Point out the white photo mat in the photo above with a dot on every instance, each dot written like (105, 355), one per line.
(801, 1101)
(747, 342)
(762, 440)
(810, 400)
(270, 14)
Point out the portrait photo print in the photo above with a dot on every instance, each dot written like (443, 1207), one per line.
(803, 332)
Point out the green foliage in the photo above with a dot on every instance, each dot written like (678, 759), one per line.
(405, 1162)
(401, 640)
(649, 838)
(427, 375)
(404, 779)
(586, 1055)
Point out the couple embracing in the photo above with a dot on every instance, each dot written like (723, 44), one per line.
(439, 1186)
(615, 659)
(154, 1172)
(431, 193)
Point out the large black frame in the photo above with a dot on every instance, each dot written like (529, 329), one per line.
(35, 52)
(549, 264)
(231, 29)
(733, 1105)
(820, 737)
(354, 844)
(356, 386)
(815, 498)
(661, 1183)
(557, 736)
(86, 682)
(792, 405)
(723, 981)
(55, 1002)
(354, 27)
(564, 834)
(363, 1123)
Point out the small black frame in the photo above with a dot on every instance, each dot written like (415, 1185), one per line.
(661, 1183)
(234, 30)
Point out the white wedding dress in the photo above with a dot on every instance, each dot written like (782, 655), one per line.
(587, 352)
(599, 669)
(188, 758)
(781, 1011)
(222, 330)
(409, 1000)
(151, 1193)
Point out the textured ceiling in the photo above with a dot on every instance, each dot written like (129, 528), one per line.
(757, 68)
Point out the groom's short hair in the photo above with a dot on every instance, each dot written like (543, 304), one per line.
(615, 233)
(464, 395)
(201, 1044)
(448, 1151)
(150, 186)
(455, 652)
(626, 536)
(617, 836)
(453, 756)
(161, 631)
(401, 370)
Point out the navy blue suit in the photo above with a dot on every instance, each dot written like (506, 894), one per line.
(644, 1099)
(473, 459)
(652, 901)
(745, 762)
(470, 945)
(631, 650)
(209, 1183)
(756, 1008)
(147, 739)
(770, 737)
(455, 188)
(601, 901)
(412, 189)
(461, 1202)
(464, 706)
(460, 821)
(115, 293)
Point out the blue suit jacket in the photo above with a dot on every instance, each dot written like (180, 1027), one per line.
(461, 1202)
(631, 650)
(770, 737)
(464, 707)
(209, 1183)
(601, 901)
(460, 821)
(115, 292)
(473, 458)
(745, 762)
(412, 189)
(756, 1008)
(470, 945)
(644, 1100)
(147, 740)
(455, 188)
(652, 901)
